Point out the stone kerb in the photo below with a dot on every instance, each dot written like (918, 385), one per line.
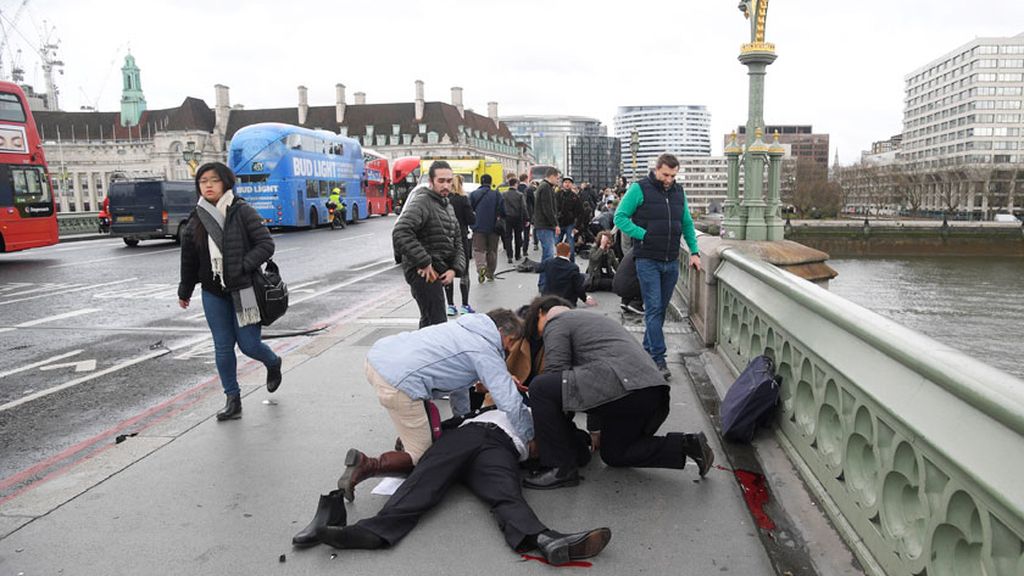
(917, 448)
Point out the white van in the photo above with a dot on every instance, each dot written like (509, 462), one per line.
(1005, 218)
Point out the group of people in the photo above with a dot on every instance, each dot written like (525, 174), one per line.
(532, 369)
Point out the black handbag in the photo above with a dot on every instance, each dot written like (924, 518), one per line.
(271, 293)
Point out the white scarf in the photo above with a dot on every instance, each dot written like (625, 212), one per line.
(216, 258)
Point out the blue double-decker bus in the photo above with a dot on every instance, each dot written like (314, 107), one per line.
(287, 173)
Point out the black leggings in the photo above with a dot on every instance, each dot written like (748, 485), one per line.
(464, 281)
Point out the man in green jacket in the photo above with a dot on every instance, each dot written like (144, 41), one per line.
(654, 213)
(428, 238)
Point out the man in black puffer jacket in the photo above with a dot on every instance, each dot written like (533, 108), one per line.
(428, 238)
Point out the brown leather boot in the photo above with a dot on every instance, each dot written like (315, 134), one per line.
(359, 467)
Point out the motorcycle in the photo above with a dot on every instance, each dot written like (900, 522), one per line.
(336, 215)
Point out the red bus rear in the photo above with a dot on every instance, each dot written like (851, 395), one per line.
(28, 215)
(377, 183)
(405, 176)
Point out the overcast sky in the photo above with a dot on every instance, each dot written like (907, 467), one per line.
(840, 65)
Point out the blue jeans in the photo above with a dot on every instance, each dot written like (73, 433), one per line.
(565, 235)
(546, 238)
(220, 316)
(657, 281)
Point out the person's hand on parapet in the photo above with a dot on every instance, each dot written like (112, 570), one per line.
(695, 262)
(183, 303)
(447, 277)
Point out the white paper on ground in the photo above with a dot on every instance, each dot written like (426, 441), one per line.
(387, 486)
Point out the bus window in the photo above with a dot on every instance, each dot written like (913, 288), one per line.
(325, 188)
(10, 108)
(312, 189)
(29, 186)
(294, 142)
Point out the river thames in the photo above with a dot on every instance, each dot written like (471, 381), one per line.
(973, 304)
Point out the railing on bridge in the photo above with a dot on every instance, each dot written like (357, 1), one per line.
(916, 449)
(77, 222)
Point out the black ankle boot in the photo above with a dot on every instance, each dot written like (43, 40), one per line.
(274, 376)
(329, 512)
(232, 409)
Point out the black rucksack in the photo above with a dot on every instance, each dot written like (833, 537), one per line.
(750, 401)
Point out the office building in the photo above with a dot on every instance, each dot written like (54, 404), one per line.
(680, 130)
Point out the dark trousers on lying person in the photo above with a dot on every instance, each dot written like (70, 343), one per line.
(484, 459)
(628, 425)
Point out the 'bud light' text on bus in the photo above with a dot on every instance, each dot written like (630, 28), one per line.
(287, 173)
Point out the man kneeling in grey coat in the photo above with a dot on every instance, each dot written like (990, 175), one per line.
(592, 364)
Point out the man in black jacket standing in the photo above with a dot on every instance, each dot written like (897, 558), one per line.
(527, 192)
(515, 216)
(427, 236)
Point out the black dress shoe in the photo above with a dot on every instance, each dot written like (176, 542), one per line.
(552, 478)
(232, 409)
(330, 511)
(560, 548)
(700, 451)
(274, 376)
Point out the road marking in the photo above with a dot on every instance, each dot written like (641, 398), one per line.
(370, 265)
(79, 289)
(153, 291)
(39, 288)
(346, 238)
(13, 286)
(41, 363)
(77, 381)
(83, 366)
(114, 258)
(342, 285)
(387, 321)
(70, 248)
(63, 316)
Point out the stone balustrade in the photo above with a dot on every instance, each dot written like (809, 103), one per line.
(915, 449)
(77, 222)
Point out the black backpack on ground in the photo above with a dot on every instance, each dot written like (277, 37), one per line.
(750, 401)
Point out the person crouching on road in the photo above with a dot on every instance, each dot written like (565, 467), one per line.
(410, 368)
(224, 242)
(561, 277)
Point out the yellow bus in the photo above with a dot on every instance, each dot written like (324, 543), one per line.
(471, 168)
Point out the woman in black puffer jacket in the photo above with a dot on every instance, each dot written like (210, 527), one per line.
(225, 241)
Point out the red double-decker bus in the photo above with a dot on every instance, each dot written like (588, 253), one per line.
(405, 177)
(377, 183)
(28, 215)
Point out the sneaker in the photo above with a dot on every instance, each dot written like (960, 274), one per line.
(482, 275)
(665, 372)
(634, 307)
(467, 309)
(452, 310)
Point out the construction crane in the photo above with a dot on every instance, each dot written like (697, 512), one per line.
(5, 43)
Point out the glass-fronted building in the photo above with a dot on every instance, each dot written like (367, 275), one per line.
(577, 145)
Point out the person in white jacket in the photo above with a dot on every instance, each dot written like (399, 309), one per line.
(409, 369)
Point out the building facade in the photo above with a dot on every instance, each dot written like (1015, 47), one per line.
(86, 150)
(680, 130)
(800, 139)
(578, 146)
(963, 136)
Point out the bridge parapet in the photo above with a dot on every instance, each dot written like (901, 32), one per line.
(916, 449)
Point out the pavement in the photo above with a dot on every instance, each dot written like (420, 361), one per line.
(189, 495)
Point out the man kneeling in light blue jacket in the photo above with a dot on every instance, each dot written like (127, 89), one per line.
(410, 368)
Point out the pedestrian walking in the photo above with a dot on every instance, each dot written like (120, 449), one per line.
(464, 214)
(224, 241)
(515, 216)
(428, 238)
(545, 214)
(527, 192)
(571, 210)
(489, 207)
(654, 213)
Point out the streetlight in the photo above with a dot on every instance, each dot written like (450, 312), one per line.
(192, 157)
(634, 146)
